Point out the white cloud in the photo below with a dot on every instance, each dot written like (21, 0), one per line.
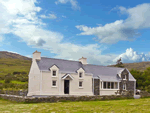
(138, 18)
(64, 16)
(27, 26)
(50, 16)
(1, 38)
(132, 56)
(74, 3)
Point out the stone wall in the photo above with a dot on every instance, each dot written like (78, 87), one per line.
(25, 99)
(144, 94)
(130, 85)
(96, 87)
(13, 92)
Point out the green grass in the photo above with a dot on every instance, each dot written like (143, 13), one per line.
(113, 106)
(14, 81)
(11, 65)
(2, 81)
(18, 82)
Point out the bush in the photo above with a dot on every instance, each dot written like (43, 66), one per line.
(148, 88)
(16, 72)
(24, 79)
(7, 80)
(23, 72)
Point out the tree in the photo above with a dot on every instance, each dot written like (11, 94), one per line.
(119, 63)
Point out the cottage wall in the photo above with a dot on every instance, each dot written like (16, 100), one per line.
(34, 79)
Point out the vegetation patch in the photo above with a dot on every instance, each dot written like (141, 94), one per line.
(116, 106)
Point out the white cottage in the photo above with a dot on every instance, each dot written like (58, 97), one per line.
(49, 76)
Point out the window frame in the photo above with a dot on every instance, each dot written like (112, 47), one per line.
(124, 86)
(109, 85)
(125, 77)
(81, 84)
(55, 83)
(81, 75)
(55, 73)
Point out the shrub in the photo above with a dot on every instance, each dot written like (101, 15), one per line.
(16, 72)
(23, 72)
(24, 79)
(7, 80)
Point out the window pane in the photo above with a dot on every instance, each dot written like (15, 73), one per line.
(124, 86)
(108, 85)
(104, 85)
(112, 85)
(80, 75)
(116, 85)
(54, 73)
(54, 83)
(80, 84)
(123, 76)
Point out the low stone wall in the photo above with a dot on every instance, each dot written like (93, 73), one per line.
(13, 92)
(144, 94)
(26, 99)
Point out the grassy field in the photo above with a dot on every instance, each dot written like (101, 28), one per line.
(14, 81)
(11, 65)
(113, 106)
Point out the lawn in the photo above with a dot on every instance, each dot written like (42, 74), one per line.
(112, 106)
(14, 81)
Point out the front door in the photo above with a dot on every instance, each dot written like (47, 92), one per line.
(66, 86)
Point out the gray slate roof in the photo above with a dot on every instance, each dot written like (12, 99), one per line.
(105, 73)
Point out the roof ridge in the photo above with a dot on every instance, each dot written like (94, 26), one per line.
(104, 66)
(59, 59)
(79, 61)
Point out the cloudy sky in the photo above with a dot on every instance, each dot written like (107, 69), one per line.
(100, 30)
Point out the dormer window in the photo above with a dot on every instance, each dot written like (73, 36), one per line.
(54, 73)
(80, 75)
(124, 77)
(124, 86)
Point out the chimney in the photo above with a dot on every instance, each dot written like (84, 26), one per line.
(83, 60)
(36, 55)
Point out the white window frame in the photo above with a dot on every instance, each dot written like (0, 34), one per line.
(56, 83)
(117, 83)
(52, 73)
(124, 85)
(81, 74)
(82, 84)
(125, 77)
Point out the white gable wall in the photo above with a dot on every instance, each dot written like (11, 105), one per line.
(34, 79)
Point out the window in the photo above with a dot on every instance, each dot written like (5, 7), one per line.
(54, 73)
(124, 86)
(54, 83)
(110, 85)
(80, 75)
(104, 85)
(124, 77)
(116, 85)
(80, 84)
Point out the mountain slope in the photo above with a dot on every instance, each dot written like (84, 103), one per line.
(138, 66)
(5, 54)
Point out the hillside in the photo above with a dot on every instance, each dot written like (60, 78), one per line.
(5, 54)
(138, 66)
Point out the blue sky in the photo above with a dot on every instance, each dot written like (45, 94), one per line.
(100, 30)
